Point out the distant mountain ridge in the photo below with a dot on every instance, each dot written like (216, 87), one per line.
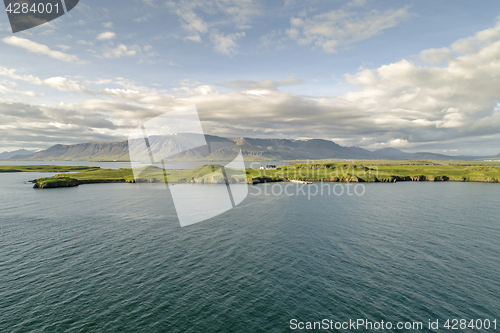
(222, 149)
(16, 153)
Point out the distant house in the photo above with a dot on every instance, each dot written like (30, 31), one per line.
(270, 167)
(261, 167)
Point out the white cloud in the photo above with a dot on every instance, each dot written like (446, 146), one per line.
(64, 84)
(402, 104)
(6, 90)
(195, 38)
(107, 35)
(103, 81)
(267, 84)
(436, 56)
(84, 42)
(143, 18)
(108, 25)
(60, 83)
(41, 49)
(64, 47)
(273, 39)
(337, 28)
(197, 17)
(225, 44)
(11, 74)
(121, 51)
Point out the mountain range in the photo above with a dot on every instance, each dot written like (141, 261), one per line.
(15, 154)
(179, 147)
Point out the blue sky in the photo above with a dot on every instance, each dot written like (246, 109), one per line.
(414, 75)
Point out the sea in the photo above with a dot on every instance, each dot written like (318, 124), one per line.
(113, 258)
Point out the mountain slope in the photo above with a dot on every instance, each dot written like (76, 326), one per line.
(391, 154)
(189, 147)
(440, 157)
(16, 153)
(85, 151)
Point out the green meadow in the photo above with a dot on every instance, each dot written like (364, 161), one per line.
(335, 171)
(201, 174)
(384, 171)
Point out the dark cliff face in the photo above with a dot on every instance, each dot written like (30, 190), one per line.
(63, 182)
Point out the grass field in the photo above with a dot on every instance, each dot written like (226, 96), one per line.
(201, 174)
(352, 171)
(372, 171)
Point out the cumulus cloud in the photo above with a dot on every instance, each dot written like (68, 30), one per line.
(425, 103)
(405, 104)
(40, 126)
(143, 18)
(63, 84)
(121, 51)
(84, 42)
(238, 12)
(34, 47)
(338, 28)
(11, 91)
(436, 56)
(225, 44)
(195, 38)
(267, 84)
(107, 35)
(64, 47)
(200, 17)
(60, 83)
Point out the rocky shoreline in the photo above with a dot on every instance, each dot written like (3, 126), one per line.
(45, 183)
(71, 182)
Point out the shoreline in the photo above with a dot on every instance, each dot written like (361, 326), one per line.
(339, 172)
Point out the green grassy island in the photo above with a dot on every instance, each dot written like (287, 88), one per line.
(336, 171)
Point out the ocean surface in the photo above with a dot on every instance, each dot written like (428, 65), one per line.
(113, 258)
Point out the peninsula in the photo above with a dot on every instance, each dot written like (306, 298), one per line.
(345, 171)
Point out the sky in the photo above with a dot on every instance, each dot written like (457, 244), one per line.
(413, 75)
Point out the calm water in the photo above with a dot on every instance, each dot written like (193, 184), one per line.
(112, 258)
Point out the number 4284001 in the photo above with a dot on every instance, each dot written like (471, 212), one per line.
(461, 324)
(25, 8)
